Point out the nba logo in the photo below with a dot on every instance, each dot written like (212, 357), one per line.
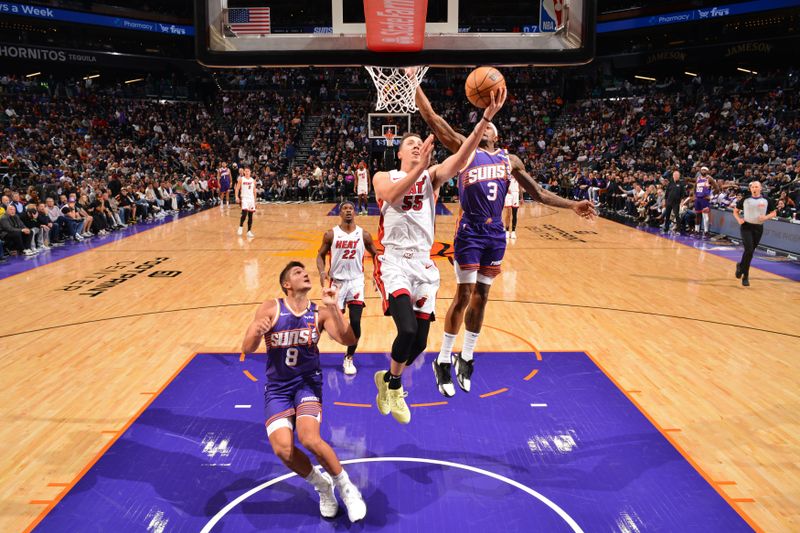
(551, 15)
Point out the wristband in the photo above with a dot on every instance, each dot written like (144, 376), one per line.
(486, 119)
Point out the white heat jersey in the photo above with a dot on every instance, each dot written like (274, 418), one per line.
(512, 196)
(347, 254)
(407, 225)
(248, 194)
(361, 174)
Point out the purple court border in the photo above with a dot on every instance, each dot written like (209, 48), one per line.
(789, 269)
(625, 473)
(19, 264)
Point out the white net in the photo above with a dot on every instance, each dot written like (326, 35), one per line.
(396, 87)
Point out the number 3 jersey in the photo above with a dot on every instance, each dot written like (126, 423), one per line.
(292, 343)
(407, 225)
(483, 184)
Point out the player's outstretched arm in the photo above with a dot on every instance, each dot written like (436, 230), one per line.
(332, 320)
(583, 208)
(450, 166)
(260, 326)
(327, 242)
(450, 138)
(392, 192)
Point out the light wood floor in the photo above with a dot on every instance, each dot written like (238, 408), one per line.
(710, 358)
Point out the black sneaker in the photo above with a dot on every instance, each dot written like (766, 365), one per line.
(738, 270)
(745, 282)
(443, 378)
(463, 371)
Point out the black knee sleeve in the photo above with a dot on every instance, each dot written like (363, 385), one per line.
(355, 318)
(402, 313)
(514, 218)
(241, 218)
(420, 340)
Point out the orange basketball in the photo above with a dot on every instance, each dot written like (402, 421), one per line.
(480, 84)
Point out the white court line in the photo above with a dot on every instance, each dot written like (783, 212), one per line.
(538, 405)
(242, 406)
(558, 510)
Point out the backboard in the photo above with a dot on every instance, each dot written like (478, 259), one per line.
(243, 33)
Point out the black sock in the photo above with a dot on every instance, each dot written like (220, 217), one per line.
(394, 382)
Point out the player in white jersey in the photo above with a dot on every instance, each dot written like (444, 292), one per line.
(346, 244)
(406, 276)
(362, 187)
(246, 191)
(511, 207)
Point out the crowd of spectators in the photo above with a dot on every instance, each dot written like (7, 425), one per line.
(105, 158)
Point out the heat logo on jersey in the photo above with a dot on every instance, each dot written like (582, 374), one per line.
(295, 337)
(347, 244)
(415, 195)
(551, 15)
(486, 172)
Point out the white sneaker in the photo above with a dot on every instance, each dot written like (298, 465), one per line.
(28, 251)
(349, 366)
(508, 235)
(351, 496)
(513, 234)
(328, 506)
(250, 234)
(78, 237)
(239, 231)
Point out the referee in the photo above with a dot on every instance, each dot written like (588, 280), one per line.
(755, 209)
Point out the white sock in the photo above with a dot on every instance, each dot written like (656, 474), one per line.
(470, 339)
(697, 228)
(705, 222)
(315, 478)
(447, 348)
(342, 479)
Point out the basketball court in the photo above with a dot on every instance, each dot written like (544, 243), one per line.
(624, 381)
(620, 384)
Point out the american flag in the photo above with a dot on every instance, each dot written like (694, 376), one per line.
(249, 20)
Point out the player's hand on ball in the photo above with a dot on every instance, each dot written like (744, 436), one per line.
(585, 209)
(330, 296)
(498, 99)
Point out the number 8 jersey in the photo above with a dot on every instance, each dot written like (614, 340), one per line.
(483, 184)
(292, 343)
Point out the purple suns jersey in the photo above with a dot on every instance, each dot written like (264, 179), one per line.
(483, 184)
(292, 343)
(702, 188)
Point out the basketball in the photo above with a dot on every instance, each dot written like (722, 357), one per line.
(480, 84)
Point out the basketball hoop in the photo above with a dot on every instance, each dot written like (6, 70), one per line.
(389, 136)
(397, 87)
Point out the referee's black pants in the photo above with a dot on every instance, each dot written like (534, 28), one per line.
(673, 208)
(751, 236)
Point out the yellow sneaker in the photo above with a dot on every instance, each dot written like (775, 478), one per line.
(382, 399)
(397, 402)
